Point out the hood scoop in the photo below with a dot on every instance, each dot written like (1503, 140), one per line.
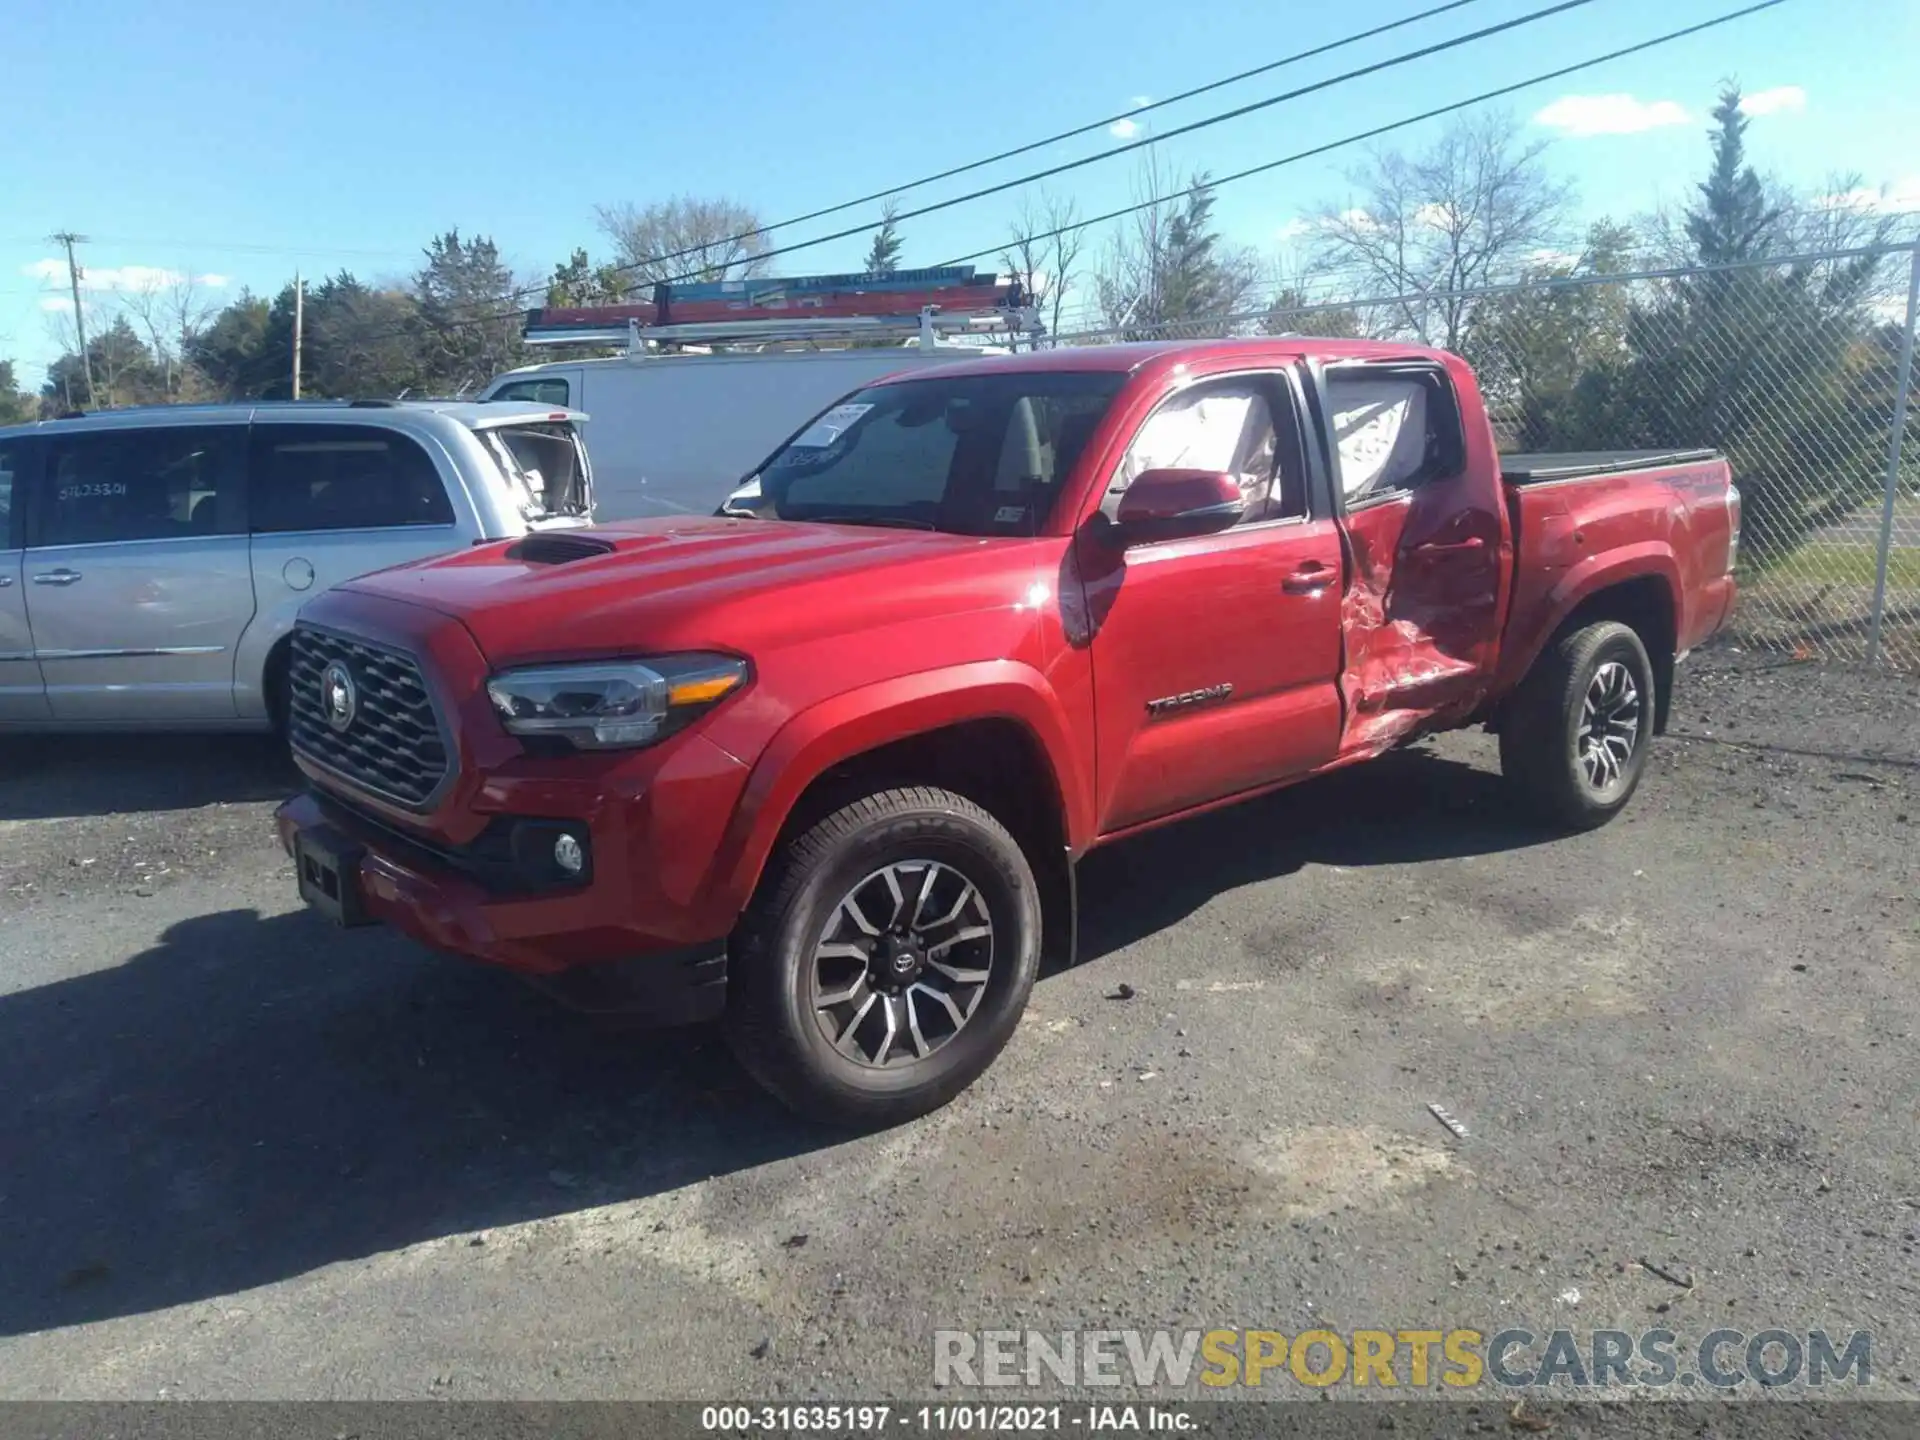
(557, 548)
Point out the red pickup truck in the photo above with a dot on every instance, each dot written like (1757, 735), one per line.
(822, 764)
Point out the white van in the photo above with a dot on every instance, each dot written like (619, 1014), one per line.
(674, 434)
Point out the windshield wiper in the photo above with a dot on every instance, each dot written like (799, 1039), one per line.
(891, 522)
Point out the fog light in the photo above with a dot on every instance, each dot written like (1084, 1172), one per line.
(568, 855)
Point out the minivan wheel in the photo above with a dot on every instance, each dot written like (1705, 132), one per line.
(885, 959)
(1574, 742)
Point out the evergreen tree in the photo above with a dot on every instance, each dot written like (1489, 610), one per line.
(1735, 219)
(470, 323)
(883, 255)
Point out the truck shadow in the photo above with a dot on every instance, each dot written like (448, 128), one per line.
(253, 1098)
(1403, 808)
(44, 777)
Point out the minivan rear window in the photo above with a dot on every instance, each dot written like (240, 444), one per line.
(545, 465)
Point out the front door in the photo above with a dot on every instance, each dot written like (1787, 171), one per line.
(1215, 659)
(23, 696)
(136, 573)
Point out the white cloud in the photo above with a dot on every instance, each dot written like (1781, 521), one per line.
(1780, 100)
(1359, 219)
(1140, 102)
(1124, 129)
(1899, 197)
(1554, 259)
(1434, 216)
(1586, 115)
(57, 305)
(123, 278)
(1295, 228)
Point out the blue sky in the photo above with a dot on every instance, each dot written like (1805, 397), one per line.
(242, 141)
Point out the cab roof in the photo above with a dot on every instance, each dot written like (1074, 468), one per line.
(1132, 355)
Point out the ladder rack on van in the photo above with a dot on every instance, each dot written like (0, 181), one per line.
(912, 305)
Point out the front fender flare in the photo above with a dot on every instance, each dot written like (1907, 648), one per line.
(857, 721)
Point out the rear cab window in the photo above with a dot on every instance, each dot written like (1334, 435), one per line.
(343, 477)
(1393, 429)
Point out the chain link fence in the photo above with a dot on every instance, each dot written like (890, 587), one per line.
(1799, 369)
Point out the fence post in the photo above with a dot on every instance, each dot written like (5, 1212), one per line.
(1905, 381)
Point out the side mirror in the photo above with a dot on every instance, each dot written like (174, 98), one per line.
(1176, 504)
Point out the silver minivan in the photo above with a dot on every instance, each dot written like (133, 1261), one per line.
(152, 561)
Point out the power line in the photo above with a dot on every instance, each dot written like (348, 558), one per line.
(1105, 155)
(1075, 133)
(1378, 130)
(1188, 129)
(1354, 139)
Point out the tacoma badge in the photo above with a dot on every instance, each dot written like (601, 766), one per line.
(1190, 697)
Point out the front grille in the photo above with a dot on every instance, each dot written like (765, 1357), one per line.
(392, 746)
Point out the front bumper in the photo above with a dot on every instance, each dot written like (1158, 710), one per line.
(580, 945)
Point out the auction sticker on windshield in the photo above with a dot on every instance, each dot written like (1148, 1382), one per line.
(831, 426)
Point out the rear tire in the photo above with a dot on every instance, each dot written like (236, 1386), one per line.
(1574, 741)
(854, 996)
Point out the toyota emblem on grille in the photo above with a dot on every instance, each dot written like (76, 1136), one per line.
(339, 697)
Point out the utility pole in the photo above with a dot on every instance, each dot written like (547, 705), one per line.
(299, 322)
(69, 239)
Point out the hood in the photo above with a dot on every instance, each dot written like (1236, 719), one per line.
(715, 583)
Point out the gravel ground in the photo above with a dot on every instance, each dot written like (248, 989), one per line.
(247, 1156)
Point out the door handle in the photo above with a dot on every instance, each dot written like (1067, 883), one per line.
(57, 577)
(1310, 578)
(1450, 547)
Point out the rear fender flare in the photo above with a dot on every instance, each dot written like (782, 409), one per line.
(1583, 581)
(861, 720)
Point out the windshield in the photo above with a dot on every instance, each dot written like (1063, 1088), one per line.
(970, 455)
(545, 466)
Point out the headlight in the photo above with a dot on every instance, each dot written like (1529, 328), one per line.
(613, 704)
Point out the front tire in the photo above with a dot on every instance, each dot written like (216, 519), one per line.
(885, 959)
(1574, 743)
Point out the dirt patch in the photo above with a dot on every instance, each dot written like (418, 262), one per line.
(1326, 1168)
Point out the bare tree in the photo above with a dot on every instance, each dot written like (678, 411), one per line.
(1166, 271)
(170, 311)
(1043, 253)
(684, 238)
(1475, 209)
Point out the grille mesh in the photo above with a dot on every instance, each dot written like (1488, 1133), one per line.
(393, 748)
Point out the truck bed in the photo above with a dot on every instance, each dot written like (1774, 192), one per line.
(1535, 469)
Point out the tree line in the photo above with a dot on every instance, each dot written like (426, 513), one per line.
(1787, 367)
